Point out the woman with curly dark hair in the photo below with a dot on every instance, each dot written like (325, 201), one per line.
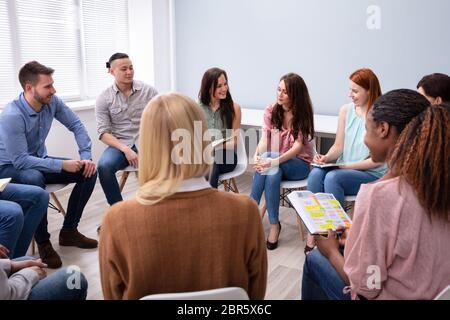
(397, 247)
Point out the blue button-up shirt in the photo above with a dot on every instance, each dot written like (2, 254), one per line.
(23, 132)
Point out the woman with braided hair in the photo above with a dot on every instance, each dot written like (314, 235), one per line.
(397, 247)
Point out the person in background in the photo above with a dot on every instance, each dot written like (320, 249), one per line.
(118, 112)
(169, 238)
(26, 279)
(435, 87)
(397, 247)
(223, 116)
(285, 150)
(24, 127)
(355, 165)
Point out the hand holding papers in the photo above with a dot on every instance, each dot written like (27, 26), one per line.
(319, 212)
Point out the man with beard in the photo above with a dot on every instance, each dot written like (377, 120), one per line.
(24, 126)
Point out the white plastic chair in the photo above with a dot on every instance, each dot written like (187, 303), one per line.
(444, 295)
(230, 293)
(125, 173)
(228, 179)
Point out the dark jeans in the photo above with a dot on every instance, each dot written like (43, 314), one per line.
(77, 201)
(224, 161)
(320, 280)
(111, 161)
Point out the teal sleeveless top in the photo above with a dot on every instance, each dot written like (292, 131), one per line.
(354, 148)
(215, 121)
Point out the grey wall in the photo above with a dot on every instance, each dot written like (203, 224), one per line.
(61, 142)
(257, 41)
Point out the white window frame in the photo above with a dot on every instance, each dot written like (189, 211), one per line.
(17, 52)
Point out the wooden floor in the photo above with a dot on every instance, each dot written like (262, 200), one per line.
(285, 263)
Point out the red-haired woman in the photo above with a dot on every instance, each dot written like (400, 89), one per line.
(356, 166)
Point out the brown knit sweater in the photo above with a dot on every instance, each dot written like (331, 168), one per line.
(190, 241)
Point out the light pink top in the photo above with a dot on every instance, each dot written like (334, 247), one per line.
(282, 140)
(392, 232)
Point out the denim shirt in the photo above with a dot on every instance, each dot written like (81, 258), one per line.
(23, 132)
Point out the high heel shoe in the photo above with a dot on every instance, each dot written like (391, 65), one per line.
(273, 245)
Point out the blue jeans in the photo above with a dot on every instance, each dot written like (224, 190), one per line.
(64, 284)
(78, 198)
(320, 281)
(22, 208)
(224, 162)
(111, 161)
(60, 285)
(339, 182)
(270, 181)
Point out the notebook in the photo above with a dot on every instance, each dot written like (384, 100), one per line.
(3, 183)
(319, 212)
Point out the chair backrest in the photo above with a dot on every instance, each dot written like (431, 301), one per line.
(313, 145)
(229, 293)
(242, 160)
(130, 169)
(444, 295)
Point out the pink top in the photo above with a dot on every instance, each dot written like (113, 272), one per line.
(393, 236)
(282, 141)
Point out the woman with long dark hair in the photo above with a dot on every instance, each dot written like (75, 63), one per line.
(223, 116)
(284, 151)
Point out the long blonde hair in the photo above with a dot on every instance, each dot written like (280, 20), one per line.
(159, 174)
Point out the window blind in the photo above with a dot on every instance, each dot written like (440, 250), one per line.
(74, 37)
(8, 81)
(48, 34)
(105, 31)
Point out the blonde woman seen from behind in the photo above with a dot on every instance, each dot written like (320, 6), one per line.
(169, 239)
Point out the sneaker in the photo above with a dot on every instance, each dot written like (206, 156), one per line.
(49, 255)
(71, 237)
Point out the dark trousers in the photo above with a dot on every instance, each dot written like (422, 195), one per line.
(224, 161)
(77, 201)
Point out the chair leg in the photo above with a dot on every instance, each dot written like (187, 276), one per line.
(123, 180)
(33, 246)
(225, 185)
(235, 188)
(58, 204)
(301, 229)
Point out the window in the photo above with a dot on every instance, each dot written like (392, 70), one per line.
(74, 37)
(110, 19)
(7, 86)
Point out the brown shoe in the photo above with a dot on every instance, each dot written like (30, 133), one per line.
(71, 237)
(49, 255)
